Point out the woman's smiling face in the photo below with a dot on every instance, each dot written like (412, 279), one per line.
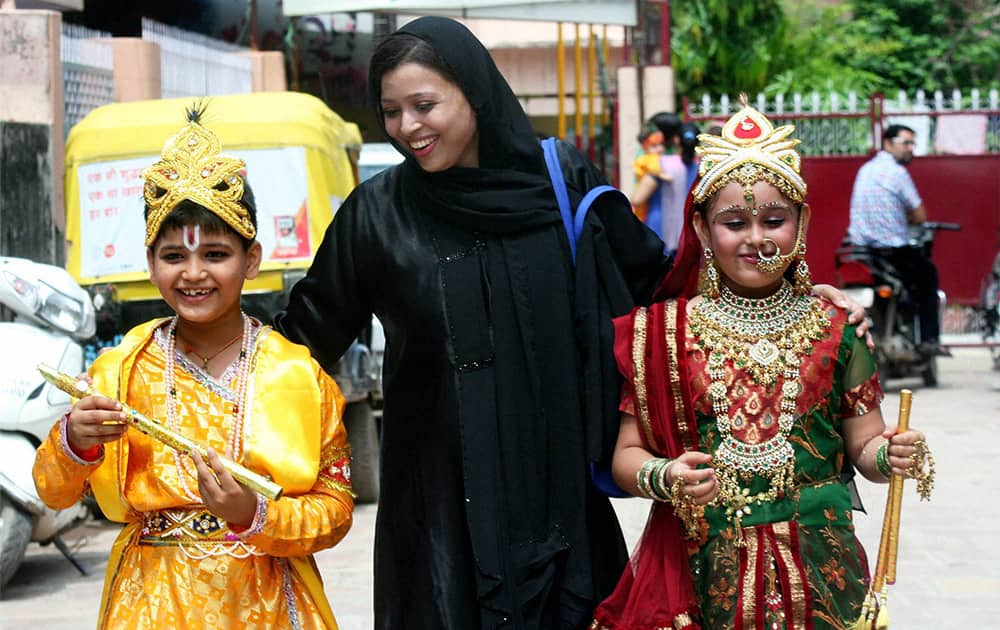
(429, 117)
(737, 232)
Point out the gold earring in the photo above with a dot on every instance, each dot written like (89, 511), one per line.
(708, 279)
(803, 282)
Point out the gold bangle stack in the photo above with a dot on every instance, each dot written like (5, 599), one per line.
(651, 479)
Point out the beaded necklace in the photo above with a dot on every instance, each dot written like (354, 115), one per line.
(234, 446)
(766, 338)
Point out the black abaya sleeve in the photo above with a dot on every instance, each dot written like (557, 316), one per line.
(330, 306)
(637, 251)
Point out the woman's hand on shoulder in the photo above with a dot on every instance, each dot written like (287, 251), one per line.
(855, 312)
(94, 420)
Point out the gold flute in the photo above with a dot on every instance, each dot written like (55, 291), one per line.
(78, 388)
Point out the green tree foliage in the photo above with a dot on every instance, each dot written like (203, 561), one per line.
(929, 44)
(725, 46)
(722, 46)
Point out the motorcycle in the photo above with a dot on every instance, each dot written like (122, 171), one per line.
(44, 314)
(990, 305)
(866, 275)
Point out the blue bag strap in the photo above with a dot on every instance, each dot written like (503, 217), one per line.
(587, 201)
(562, 195)
(600, 472)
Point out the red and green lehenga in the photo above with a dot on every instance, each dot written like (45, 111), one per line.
(797, 563)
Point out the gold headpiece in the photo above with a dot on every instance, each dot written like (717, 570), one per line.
(192, 167)
(749, 150)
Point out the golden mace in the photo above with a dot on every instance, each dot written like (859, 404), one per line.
(875, 611)
(78, 388)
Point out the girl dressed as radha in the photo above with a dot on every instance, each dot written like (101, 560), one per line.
(742, 400)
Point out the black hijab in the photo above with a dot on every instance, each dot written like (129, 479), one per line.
(511, 190)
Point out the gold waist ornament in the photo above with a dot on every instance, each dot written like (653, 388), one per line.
(197, 532)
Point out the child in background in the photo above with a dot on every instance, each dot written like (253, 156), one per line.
(647, 164)
(200, 550)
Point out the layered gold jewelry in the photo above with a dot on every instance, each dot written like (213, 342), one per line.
(921, 469)
(759, 335)
(766, 338)
(192, 167)
(750, 149)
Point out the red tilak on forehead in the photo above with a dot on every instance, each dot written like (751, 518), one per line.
(192, 237)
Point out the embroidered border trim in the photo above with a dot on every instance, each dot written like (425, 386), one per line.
(293, 610)
(335, 470)
(68, 450)
(639, 365)
(670, 321)
(797, 604)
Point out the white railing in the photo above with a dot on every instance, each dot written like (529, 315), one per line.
(955, 122)
(192, 64)
(88, 73)
(851, 103)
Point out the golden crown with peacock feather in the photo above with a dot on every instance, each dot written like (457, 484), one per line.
(192, 167)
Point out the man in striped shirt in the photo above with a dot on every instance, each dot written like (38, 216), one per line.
(884, 203)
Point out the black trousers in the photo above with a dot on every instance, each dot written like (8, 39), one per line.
(920, 277)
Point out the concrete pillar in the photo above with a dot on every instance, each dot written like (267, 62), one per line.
(31, 76)
(137, 68)
(658, 96)
(268, 68)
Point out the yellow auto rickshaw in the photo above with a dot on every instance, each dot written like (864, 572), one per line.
(301, 163)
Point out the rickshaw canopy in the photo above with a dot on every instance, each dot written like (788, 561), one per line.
(300, 159)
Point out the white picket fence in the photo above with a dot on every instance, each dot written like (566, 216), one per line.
(192, 64)
(956, 122)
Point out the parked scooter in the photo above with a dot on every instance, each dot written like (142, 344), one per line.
(44, 314)
(990, 305)
(866, 275)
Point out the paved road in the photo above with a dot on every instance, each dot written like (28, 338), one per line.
(949, 567)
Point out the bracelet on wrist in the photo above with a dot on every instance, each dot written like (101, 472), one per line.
(882, 460)
(650, 479)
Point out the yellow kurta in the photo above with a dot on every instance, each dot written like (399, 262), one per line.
(172, 566)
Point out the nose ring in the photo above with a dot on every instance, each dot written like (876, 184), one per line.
(772, 263)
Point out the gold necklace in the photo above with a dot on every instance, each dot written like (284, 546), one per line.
(189, 349)
(765, 337)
